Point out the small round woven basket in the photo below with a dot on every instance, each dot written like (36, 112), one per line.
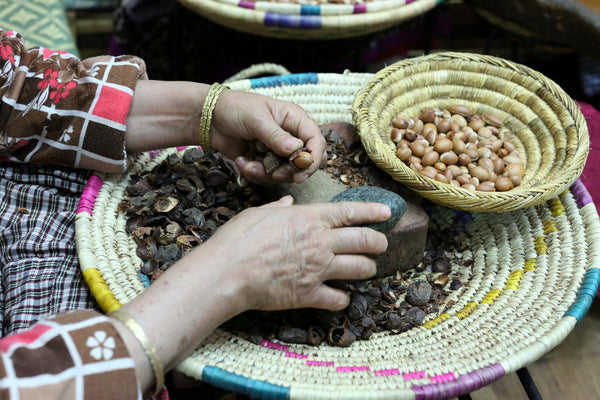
(295, 21)
(534, 275)
(548, 128)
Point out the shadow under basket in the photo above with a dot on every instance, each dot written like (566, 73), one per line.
(547, 127)
(534, 275)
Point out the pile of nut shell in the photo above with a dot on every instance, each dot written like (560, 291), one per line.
(458, 147)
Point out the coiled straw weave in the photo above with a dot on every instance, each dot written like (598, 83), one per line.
(550, 131)
(296, 21)
(534, 276)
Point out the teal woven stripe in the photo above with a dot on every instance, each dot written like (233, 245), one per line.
(239, 384)
(279, 80)
(585, 295)
(310, 10)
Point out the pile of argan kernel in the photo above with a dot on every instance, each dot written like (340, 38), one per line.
(459, 147)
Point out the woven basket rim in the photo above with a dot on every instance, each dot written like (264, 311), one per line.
(309, 22)
(554, 266)
(365, 115)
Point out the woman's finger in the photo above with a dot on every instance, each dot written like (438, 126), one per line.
(357, 240)
(328, 298)
(346, 266)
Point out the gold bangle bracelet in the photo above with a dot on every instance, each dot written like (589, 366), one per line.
(140, 335)
(207, 111)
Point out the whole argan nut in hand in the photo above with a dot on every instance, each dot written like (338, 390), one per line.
(376, 194)
(301, 159)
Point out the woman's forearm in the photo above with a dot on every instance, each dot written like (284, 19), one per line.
(164, 114)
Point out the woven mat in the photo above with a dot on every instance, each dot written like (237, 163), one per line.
(534, 276)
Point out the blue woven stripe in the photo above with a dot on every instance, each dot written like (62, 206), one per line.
(293, 21)
(291, 79)
(585, 295)
(310, 10)
(239, 384)
(143, 278)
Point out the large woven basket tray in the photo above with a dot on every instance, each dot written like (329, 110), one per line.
(549, 130)
(534, 276)
(295, 21)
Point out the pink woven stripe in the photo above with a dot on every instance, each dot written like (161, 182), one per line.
(88, 197)
(360, 8)
(247, 4)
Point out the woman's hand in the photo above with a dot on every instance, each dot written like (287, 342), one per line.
(280, 256)
(167, 114)
(242, 117)
(272, 257)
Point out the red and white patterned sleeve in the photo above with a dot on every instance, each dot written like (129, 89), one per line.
(57, 109)
(76, 355)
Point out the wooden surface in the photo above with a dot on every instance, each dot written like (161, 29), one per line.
(595, 4)
(569, 372)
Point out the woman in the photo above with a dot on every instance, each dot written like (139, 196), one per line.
(61, 117)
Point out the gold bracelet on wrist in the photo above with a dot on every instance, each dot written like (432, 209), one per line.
(207, 111)
(140, 335)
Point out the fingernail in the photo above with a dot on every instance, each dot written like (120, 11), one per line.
(292, 144)
(241, 161)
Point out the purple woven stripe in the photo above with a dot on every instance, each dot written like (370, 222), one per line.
(360, 8)
(464, 384)
(293, 21)
(581, 194)
(410, 1)
(247, 4)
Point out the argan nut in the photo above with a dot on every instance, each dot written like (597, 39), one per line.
(403, 153)
(503, 184)
(443, 145)
(430, 158)
(487, 186)
(301, 159)
(460, 110)
(492, 120)
(402, 123)
(427, 115)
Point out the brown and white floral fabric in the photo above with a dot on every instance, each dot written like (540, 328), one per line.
(76, 355)
(57, 109)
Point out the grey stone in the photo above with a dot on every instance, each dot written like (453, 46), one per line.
(374, 194)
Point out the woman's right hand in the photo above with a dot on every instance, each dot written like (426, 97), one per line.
(274, 257)
(280, 255)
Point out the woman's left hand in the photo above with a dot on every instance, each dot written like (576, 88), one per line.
(242, 117)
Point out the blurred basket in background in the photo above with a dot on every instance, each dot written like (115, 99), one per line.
(549, 130)
(567, 24)
(296, 21)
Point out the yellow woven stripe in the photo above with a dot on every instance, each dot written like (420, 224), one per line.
(556, 206)
(436, 321)
(491, 296)
(513, 280)
(511, 283)
(530, 264)
(100, 291)
(549, 226)
(540, 245)
(468, 309)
